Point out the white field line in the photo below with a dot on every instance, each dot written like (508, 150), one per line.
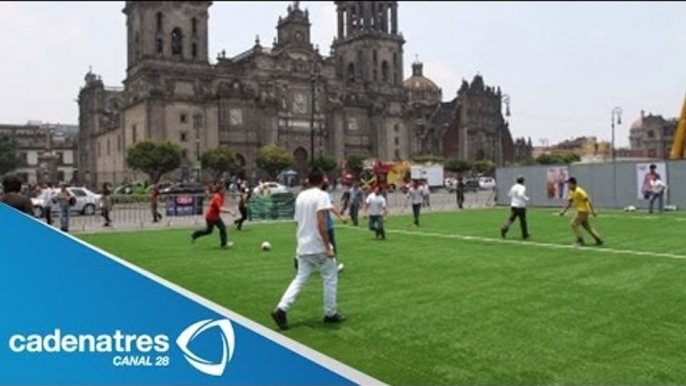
(528, 243)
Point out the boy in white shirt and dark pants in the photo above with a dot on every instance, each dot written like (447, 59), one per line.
(314, 251)
(518, 207)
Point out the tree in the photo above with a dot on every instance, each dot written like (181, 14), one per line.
(326, 163)
(9, 159)
(273, 159)
(458, 165)
(484, 167)
(154, 158)
(219, 160)
(558, 159)
(428, 159)
(355, 163)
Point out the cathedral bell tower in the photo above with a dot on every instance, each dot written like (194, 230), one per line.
(293, 31)
(167, 30)
(369, 47)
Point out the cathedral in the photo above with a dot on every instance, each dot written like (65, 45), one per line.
(355, 100)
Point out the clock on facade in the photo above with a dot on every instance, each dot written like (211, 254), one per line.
(300, 103)
(236, 117)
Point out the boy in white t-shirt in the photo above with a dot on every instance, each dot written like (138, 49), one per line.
(314, 251)
(375, 205)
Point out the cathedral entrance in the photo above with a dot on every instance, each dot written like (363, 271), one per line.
(300, 155)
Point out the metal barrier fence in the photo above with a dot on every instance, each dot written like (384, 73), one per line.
(139, 215)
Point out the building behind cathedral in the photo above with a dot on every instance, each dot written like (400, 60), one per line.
(356, 99)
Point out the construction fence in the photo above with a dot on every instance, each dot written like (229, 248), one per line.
(611, 185)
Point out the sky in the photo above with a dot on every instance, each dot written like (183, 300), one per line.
(564, 65)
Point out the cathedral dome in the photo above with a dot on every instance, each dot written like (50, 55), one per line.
(418, 82)
(420, 88)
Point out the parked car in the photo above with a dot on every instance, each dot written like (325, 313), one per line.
(87, 203)
(471, 185)
(267, 188)
(487, 183)
(184, 188)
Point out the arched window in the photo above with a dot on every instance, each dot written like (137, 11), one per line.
(177, 41)
(194, 25)
(351, 73)
(160, 21)
(194, 49)
(375, 56)
(385, 75)
(160, 46)
(380, 16)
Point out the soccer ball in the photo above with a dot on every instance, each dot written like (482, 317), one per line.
(630, 208)
(266, 246)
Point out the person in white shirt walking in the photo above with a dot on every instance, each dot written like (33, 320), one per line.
(314, 251)
(519, 200)
(377, 209)
(657, 190)
(416, 195)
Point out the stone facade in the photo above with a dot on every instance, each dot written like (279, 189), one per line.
(353, 99)
(470, 127)
(652, 136)
(47, 152)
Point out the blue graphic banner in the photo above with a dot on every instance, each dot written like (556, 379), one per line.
(73, 315)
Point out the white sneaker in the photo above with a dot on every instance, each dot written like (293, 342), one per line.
(228, 245)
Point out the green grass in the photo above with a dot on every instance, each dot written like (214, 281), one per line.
(442, 310)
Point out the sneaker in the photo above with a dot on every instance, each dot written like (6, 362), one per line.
(336, 318)
(279, 317)
(503, 232)
(228, 245)
(579, 244)
(599, 243)
(526, 238)
(340, 268)
(193, 239)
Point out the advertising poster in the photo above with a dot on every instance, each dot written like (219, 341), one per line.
(556, 182)
(645, 173)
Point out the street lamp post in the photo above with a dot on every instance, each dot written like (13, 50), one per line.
(314, 78)
(197, 123)
(506, 101)
(616, 120)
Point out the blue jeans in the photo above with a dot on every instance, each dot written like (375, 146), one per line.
(660, 201)
(64, 219)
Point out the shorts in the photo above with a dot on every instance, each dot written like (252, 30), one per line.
(581, 218)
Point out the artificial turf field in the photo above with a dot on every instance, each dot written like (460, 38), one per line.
(451, 303)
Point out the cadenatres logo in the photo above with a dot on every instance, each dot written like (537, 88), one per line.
(207, 367)
(132, 350)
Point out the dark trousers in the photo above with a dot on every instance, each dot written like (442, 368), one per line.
(660, 198)
(156, 216)
(48, 215)
(376, 225)
(332, 240)
(219, 223)
(355, 213)
(106, 216)
(416, 210)
(244, 216)
(521, 214)
(460, 199)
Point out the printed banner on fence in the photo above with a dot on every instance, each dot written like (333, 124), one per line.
(645, 173)
(75, 315)
(556, 182)
(272, 207)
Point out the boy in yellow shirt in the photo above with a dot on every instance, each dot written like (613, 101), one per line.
(579, 198)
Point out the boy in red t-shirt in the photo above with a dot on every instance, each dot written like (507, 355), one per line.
(213, 218)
